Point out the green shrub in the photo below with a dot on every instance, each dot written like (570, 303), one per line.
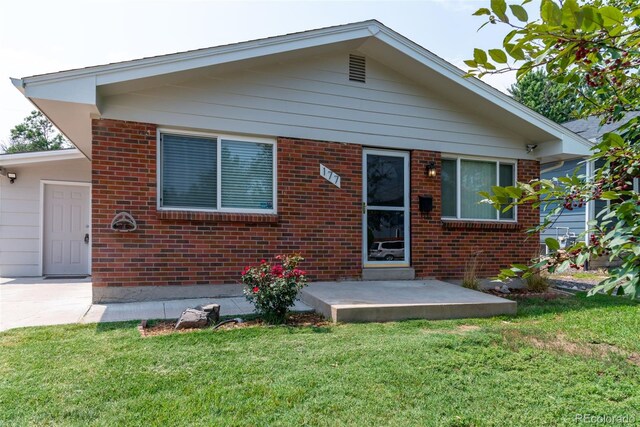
(273, 288)
(537, 283)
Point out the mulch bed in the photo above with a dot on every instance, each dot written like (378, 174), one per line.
(166, 327)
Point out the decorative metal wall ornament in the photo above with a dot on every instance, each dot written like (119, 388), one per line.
(124, 222)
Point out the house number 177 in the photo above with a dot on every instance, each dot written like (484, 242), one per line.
(329, 175)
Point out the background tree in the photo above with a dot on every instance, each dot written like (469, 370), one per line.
(543, 95)
(35, 133)
(596, 43)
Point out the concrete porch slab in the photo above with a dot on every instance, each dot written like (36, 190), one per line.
(374, 301)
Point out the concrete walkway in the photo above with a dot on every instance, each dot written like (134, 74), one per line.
(35, 301)
(118, 312)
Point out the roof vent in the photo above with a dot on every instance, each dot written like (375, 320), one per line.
(357, 68)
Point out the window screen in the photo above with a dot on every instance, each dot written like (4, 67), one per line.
(188, 172)
(247, 175)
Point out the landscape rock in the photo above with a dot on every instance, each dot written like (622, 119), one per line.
(212, 310)
(503, 289)
(192, 318)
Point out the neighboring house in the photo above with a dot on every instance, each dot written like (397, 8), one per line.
(326, 142)
(572, 225)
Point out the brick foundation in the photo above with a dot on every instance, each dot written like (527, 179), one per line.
(314, 217)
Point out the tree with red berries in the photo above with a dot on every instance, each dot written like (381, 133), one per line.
(595, 42)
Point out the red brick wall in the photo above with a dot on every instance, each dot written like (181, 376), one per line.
(441, 250)
(314, 218)
(174, 248)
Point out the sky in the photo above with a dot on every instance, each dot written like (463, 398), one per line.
(46, 36)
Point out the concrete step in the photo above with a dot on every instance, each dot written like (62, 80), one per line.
(388, 273)
(391, 301)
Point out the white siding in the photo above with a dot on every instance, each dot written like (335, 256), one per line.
(20, 212)
(314, 99)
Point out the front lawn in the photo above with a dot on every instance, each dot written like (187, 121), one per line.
(556, 360)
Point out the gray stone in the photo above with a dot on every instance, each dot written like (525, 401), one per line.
(192, 318)
(504, 289)
(212, 310)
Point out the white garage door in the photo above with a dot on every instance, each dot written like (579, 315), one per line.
(66, 229)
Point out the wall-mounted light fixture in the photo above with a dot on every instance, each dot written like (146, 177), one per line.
(531, 147)
(11, 175)
(430, 169)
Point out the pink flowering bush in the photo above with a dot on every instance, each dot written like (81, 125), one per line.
(272, 288)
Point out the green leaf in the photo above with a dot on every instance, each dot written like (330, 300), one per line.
(515, 52)
(519, 12)
(514, 192)
(562, 267)
(570, 9)
(609, 195)
(499, 7)
(508, 272)
(482, 11)
(584, 256)
(480, 56)
(498, 56)
(591, 19)
(471, 63)
(552, 243)
(611, 15)
(550, 12)
(520, 267)
(614, 139)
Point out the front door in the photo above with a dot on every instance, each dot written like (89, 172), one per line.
(386, 208)
(66, 231)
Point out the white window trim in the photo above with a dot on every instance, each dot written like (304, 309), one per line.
(498, 162)
(218, 137)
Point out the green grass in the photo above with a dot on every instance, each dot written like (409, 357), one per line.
(500, 371)
(591, 274)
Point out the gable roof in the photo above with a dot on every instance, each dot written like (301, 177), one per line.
(591, 129)
(18, 159)
(71, 98)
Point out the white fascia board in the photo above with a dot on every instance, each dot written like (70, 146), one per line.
(476, 86)
(40, 157)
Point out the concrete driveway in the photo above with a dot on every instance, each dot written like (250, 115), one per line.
(34, 301)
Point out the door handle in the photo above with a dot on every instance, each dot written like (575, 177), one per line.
(364, 207)
(86, 238)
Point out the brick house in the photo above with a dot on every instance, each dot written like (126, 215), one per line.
(350, 144)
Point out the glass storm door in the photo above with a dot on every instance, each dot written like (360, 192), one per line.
(385, 208)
